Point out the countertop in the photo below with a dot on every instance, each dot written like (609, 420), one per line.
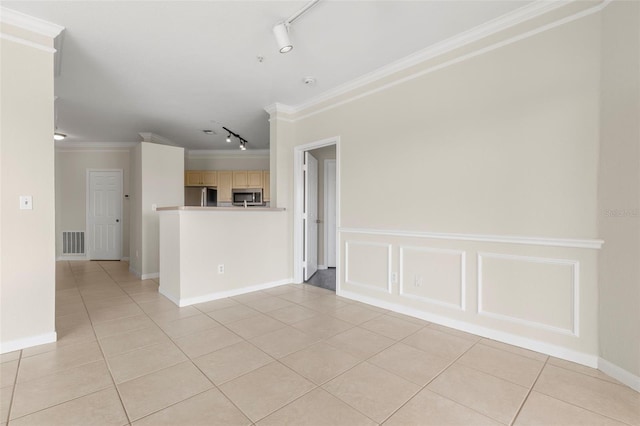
(223, 209)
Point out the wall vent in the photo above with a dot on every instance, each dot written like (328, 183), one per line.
(73, 242)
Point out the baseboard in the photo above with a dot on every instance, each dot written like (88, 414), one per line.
(133, 271)
(27, 342)
(124, 259)
(168, 296)
(619, 373)
(322, 267)
(69, 258)
(150, 276)
(501, 336)
(228, 293)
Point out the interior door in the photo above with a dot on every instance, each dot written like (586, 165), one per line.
(330, 215)
(310, 217)
(104, 214)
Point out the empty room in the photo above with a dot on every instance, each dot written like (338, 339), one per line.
(320, 212)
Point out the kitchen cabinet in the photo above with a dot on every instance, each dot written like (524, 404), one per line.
(224, 186)
(266, 185)
(240, 179)
(247, 178)
(200, 178)
(254, 178)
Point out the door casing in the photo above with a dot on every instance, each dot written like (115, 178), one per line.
(298, 206)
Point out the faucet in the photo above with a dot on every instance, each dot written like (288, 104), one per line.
(245, 204)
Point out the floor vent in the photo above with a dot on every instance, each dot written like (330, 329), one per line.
(73, 242)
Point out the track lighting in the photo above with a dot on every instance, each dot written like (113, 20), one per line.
(243, 142)
(281, 30)
(59, 136)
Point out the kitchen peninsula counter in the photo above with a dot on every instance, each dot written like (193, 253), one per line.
(209, 253)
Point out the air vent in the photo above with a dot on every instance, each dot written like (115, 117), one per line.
(73, 242)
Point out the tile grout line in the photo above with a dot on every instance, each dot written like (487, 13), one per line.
(434, 378)
(13, 388)
(526, 397)
(63, 402)
(188, 360)
(104, 357)
(575, 405)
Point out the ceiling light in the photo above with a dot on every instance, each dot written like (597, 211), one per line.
(243, 142)
(281, 31)
(208, 132)
(59, 136)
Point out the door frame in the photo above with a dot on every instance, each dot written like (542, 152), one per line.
(87, 234)
(298, 205)
(327, 213)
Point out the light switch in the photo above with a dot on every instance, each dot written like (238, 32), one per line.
(26, 202)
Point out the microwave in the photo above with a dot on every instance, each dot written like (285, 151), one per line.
(247, 196)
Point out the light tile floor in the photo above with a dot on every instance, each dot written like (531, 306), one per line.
(294, 354)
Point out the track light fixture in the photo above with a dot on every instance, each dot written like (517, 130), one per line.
(243, 142)
(281, 30)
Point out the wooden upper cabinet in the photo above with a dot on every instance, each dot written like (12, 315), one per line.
(224, 186)
(254, 179)
(210, 178)
(240, 179)
(200, 178)
(193, 178)
(266, 180)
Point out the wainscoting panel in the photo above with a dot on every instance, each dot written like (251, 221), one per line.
(368, 265)
(537, 292)
(433, 275)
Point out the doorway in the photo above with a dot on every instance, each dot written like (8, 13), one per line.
(104, 214)
(316, 213)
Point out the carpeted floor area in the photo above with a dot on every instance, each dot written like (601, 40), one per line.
(324, 278)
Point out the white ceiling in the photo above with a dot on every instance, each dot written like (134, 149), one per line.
(174, 68)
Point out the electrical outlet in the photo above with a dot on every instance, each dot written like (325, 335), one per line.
(26, 202)
(221, 268)
(417, 281)
(394, 278)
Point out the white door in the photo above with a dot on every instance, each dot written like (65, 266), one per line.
(104, 214)
(310, 217)
(330, 212)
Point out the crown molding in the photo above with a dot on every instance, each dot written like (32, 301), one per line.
(226, 153)
(93, 146)
(29, 23)
(278, 107)
(508, 20)
(153, 138)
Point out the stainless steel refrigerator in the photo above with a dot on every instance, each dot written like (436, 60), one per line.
(200, 196)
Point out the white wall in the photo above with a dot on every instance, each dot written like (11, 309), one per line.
(27, 237)
(498, 144)
(71, 188)
(619, 188)
(157, 179)
(243, 161)
(194, 243)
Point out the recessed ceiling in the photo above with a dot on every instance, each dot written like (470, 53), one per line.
(175, 68)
